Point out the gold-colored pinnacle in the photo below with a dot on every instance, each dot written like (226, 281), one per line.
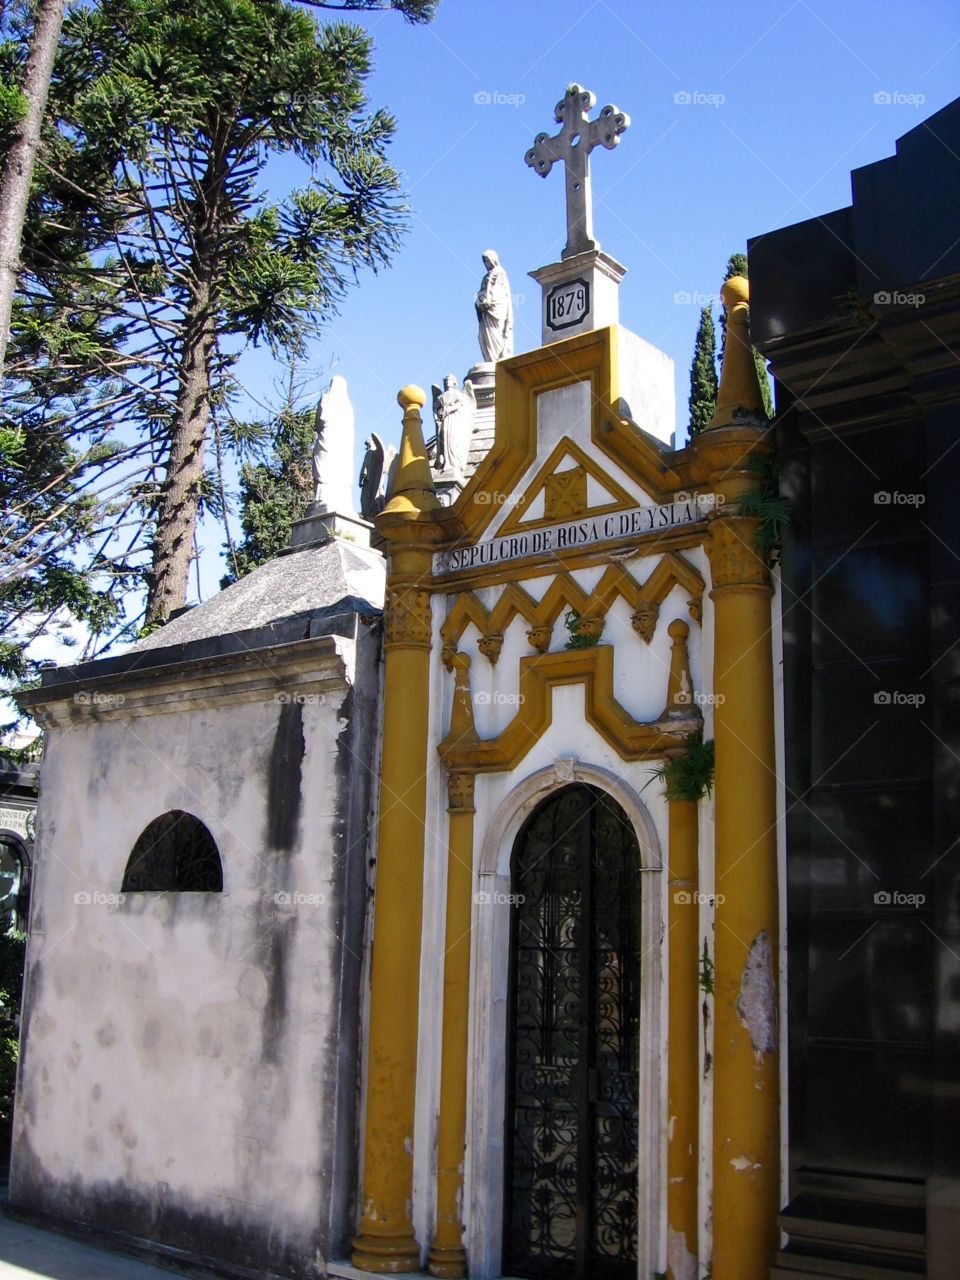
(739, 398)
(413, 489)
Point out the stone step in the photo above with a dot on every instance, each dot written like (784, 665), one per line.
(824, 1225)
(796, 1267)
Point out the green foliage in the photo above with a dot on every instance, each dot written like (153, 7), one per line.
(763, 501)
(703, 374)
(689, 774)
(274, 493)
(578, 639)
(736, 266)
(12, 956)
(154, 244)
(412, 10)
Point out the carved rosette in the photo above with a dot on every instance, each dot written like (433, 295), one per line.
(460, 791)
(735, 563)
(407, 617)
(644, 619)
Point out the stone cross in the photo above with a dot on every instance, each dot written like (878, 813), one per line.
(573, 145)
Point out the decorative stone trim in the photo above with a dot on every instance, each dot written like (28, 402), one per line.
(407, 617)
(460, 788)
(735, 563)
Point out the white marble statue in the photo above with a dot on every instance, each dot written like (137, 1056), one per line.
(333, 450)
(495, 311)
(453, 412)
(376, 475)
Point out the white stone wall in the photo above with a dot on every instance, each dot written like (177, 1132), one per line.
(189, 1060)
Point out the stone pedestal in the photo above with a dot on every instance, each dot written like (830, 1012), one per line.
(319, 525)
(579, 294)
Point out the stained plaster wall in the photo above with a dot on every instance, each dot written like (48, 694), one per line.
(189, 1060)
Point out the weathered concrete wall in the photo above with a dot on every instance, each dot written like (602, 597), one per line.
(189, 1067)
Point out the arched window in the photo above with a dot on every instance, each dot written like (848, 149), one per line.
(14, 883)
(174, 853)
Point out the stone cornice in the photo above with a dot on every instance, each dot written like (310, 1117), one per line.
(287, 672)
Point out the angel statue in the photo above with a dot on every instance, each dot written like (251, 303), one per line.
(495, 310)
(376, 474)
(453, 411)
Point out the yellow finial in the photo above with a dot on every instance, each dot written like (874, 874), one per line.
(739, 399)
(413, 489)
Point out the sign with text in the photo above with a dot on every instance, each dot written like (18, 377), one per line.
(573, 534)
(567, 304)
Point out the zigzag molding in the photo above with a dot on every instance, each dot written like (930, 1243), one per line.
(564, 593)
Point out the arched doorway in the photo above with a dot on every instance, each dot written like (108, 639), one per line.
(572, 1128)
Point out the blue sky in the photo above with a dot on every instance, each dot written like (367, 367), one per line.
(788, 98)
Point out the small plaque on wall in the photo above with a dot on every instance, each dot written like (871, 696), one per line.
(567, 304)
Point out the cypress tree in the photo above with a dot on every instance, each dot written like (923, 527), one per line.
(703, 374)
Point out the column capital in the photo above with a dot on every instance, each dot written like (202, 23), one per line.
(408, 618)
(735, 562)
(460, 789)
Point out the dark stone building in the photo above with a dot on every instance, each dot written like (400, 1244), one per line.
(858, 313)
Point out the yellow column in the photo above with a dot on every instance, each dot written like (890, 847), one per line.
(447, 1256)
(746, 1108)
(683, 1071)
(386, 1243)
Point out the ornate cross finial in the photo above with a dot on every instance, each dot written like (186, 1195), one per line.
(573, 144)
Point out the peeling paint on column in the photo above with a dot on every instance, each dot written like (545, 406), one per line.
(756, 1004)
(682, 1263)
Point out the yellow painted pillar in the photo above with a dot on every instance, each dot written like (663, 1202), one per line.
(386, 1243)
(746, 1103)
(448, 1257)
(683, 1070)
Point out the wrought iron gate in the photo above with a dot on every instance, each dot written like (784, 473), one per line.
(572, 1141)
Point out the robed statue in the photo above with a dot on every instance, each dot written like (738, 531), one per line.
(333, 449)
(495, 310)
(453, 411)
(376, 474)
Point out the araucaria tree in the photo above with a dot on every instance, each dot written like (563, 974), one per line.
(164, 117)
(703, 374)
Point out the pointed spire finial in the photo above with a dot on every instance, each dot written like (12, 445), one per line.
(413, 488)
(739, 399)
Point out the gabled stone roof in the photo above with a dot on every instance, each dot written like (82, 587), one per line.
(294, 584)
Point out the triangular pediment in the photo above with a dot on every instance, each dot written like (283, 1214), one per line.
(568, 485)
(590, 357)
